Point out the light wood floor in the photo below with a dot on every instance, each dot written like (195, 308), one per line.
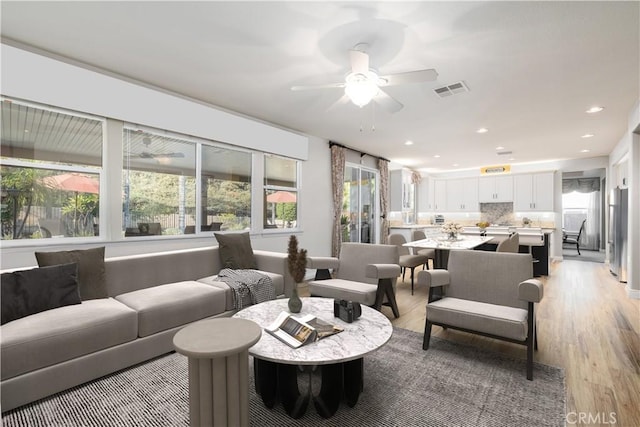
(586, 325)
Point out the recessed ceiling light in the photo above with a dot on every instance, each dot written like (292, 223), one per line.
(455, 164)
(26, 131)
(408, 143)
(437, 156)
(595, 109)
(511, 158)
(482, 130)
(584, 151)
(588, 135)
(500, 148)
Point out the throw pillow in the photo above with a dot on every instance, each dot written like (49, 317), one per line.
(29, 292)
(91, 272)
(235, 251)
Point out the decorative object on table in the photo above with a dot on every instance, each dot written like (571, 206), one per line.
(482, 225)
(297, 262)
(526, 222)
(347, 311)
(452, 229)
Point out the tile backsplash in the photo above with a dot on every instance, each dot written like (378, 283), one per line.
(497, 213)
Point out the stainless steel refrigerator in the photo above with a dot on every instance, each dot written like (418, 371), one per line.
(618, 232)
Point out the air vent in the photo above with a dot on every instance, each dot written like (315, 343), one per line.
(572, 174)
(504, 153)
(451, 89)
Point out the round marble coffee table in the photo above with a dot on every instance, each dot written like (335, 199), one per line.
(339, 356)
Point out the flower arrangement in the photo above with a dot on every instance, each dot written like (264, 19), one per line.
(452, 228)
(483, 224)
(526, 221)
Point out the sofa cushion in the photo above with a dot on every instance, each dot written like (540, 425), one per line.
(31, 291)
(500, 320)
(236, 251)
(363, 293)
(54, 336)
(277, 279)
(174, 304)
(91, 272)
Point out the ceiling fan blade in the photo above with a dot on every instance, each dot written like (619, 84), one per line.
(313, 87)
(342, 101)
(409, 77)
(359, 61)
(387, 102)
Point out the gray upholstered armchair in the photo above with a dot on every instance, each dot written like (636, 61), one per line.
(363, 273)
(487, 293)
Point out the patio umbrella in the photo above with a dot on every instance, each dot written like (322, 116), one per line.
(281, 197)
(75, 182)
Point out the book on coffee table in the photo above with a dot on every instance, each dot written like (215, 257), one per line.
(298, 331)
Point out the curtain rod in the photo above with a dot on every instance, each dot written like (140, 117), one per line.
(362, 153)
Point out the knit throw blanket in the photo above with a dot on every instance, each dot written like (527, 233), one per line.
(249, 286)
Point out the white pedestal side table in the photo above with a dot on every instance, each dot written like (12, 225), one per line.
(218, 369)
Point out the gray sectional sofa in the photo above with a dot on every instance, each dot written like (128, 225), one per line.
(150, 298)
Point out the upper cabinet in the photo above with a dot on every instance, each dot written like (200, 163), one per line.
(426, 190)
(402, 194)
(494, 189)
(462, 195)
(533, 192)
(439, 195)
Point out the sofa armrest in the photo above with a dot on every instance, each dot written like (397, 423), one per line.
(382, 271)
(530, 290)
(433, 278)
(275, 262)
(322, 263)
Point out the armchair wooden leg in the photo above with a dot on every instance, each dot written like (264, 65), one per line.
(535, 336)
(385, 289)
(412, 269)
(403, 270)
(530, 339)
(427, 334)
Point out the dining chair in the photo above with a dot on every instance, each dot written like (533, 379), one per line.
(407, 259)
(511, 244)
(429, 253)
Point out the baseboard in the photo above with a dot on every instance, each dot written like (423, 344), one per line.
(632, 293)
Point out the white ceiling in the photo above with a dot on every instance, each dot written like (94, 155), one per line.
(532, 68)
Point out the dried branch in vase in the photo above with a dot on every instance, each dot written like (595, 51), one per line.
(297, 260)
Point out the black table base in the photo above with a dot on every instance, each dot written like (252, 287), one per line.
(279, 382)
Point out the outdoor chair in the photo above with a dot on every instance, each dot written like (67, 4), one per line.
(574, 238)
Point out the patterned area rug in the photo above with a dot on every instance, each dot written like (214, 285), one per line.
(448, 385)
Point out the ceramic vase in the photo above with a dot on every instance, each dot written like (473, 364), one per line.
(295, 303)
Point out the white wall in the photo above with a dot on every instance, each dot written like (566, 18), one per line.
(36, 78)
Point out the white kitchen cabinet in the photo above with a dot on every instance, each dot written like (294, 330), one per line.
(533, 192)
(426, 189)
(439, 195)
(495, 189)
(401, 191)
(462, 195)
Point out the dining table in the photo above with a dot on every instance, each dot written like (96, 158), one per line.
(443, 244)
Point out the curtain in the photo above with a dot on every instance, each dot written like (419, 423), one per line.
(581, 185)
(590, 238)
(337, 185)
(383, 167)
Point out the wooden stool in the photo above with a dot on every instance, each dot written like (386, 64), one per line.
(218, 369)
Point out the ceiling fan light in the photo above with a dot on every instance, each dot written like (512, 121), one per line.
(361, 88)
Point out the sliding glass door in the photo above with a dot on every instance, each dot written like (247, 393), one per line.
(360, 205)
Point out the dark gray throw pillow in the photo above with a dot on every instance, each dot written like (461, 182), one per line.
(91, 272)
(32, 291)
(235, 251)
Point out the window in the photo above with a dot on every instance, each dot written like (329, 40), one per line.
(159, 185)
(226, 189)
(280, 192)
(50, 172)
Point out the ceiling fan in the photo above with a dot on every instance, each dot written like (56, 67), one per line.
(148, 155)
(363, 84)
